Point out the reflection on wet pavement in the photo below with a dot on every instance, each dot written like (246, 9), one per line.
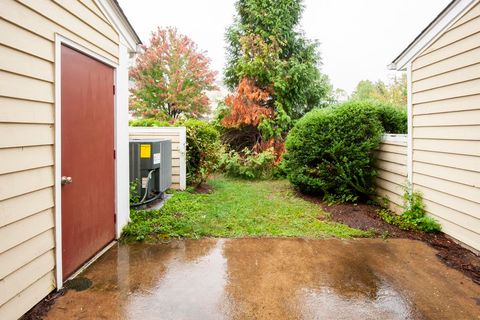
(324, 303)
(180, 293)
(272, 279)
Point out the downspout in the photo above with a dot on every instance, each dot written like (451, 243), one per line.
(410, 126)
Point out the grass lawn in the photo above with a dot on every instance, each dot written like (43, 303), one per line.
(236, 208)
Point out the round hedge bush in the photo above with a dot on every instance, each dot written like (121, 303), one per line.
(330, 151)
(393, 118)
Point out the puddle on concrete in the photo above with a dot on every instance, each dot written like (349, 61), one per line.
(325, 303)
(78, 284)
(192, 286)
(271, 279)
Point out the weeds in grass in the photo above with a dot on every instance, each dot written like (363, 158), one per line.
(236, 208)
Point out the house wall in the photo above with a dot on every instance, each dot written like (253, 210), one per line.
(391, 165)
(27, 100)
(446, 128)
(178, 137)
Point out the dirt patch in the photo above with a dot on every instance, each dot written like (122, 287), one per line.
(203, 188)
(365, 217)
(41, 309)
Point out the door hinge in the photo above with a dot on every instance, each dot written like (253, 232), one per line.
(113, 89)
(114, 217)
(114, 154)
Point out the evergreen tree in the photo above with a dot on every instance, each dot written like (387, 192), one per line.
(266, 46)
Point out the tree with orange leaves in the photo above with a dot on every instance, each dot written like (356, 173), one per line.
(247, 110)
(248, 106)
(274, 72)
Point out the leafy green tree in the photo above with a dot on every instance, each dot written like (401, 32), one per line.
(171, 77)
(266, 45)
(394, 93)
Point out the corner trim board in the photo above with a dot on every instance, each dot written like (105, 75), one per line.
(410, 125)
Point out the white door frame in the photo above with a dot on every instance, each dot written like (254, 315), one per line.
(59, 41)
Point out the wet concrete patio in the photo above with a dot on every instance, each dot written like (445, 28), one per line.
(272, 279)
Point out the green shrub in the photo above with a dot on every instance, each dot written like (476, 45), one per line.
(249, 164)
(148, 122)
(203, 150)
(394, 119)
(330, 151)
(280, 170)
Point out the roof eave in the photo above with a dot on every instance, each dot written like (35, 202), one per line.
(126, 22)
(451, 13)
(118, 18)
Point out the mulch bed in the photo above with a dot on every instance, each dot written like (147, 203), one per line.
(41, 309)
(365, 217)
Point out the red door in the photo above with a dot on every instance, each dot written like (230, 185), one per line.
(88, 181)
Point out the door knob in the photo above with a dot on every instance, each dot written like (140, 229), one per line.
(66, 180)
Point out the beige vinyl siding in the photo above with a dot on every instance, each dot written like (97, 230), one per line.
(446, 128)
(94, 8)
(448, 65)
(176, 149)
(474, 13)
(25, 41)
(28, 298)
(27, 108)
(23, 111)
(22, 206)
(19, 63)
(447, 52)
(456, 33)
(391, 165)
(464, 118)
(449, 105)
(27, 274)
(468, 148)
(18, 256)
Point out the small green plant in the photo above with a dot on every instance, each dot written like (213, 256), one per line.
(414, 216)
(248, 164)
(134, 195)
(388, 216)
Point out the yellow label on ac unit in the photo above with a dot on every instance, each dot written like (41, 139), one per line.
(145, 151)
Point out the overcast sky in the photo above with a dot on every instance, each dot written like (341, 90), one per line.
(358, 38)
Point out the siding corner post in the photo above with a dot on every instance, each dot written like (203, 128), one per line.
(410, 126)
(183, 158)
